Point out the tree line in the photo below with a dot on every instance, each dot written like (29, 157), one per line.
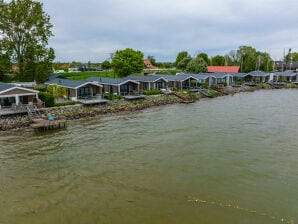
(247, 57)
(25, 30)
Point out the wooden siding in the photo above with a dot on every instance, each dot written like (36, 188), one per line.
(17, 91)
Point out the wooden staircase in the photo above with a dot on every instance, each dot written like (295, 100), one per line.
(184, 99)
(33, 112)
(204, 92)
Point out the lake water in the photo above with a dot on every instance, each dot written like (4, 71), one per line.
(231, 159)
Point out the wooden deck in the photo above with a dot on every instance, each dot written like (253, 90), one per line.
(45, 125)
(10, 111)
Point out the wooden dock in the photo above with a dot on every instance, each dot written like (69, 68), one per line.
(45, 125)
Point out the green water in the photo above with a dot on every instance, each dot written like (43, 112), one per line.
(232, 159)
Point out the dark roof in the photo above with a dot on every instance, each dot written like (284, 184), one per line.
(258, 73)
(286, 73)
(202, 76)
(145, 78)
(220, 75)
(240, 74)
(179, 77)
(110, 81)
(286, 65)
(67, 82)
(5, 86)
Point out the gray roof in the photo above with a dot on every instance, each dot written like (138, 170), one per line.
(5, 86)
(145, 78)
(110, 81)
(286, 73)
(258, 73)
(179, 77)
(240, 74)
(220, 75)
(67, 82)
(202, 76)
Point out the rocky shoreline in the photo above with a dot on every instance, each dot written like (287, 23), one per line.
(79, 111)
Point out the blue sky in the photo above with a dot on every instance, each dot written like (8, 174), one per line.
(92, 29)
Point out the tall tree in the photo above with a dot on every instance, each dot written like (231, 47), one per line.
(105, 65)
(184, 62)
(218, 60)
(196, 65)
(24, 26)
(180, 56)
(205, 57)
(5, 62)
(246, 55)
(128, 61)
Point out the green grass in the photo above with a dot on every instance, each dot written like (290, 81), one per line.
(85, 75)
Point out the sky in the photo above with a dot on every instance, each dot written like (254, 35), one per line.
(90, 30)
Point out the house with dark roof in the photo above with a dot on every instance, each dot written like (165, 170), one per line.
(119, 86)
(148, 82)
(284, 66)
(13, 96)
(86, 92)
(287, 76)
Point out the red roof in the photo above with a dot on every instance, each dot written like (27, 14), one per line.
(230, 69)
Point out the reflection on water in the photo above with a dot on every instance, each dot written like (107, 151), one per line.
(232, 159)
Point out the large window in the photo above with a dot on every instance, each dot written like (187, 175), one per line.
(84, 91)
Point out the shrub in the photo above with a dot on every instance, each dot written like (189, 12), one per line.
(65, 103)
(41, 89)
(153, 92)
(47, 98)
(110, 96)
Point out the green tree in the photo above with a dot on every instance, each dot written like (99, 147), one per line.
(205, 57)
(106, 65)
(152, 60)
(183, 63)
(73, 64)
(291, 57)
(57, 91)
(196, 65)
(24, 26)
(218, 60)
(128, 61)
(247, 57)
(5, 62)
(181, 55)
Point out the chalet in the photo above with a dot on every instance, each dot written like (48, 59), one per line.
(14, 97)
(284, 66)
(287, 76)
(148, 82)
(124, 86)
(82, 91)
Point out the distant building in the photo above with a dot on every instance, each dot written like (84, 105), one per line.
(149, 65)
(284, 66)
(225, 69)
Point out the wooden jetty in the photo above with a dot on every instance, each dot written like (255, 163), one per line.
(45, 125)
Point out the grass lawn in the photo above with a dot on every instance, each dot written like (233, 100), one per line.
(109, 74)
(85, 75)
